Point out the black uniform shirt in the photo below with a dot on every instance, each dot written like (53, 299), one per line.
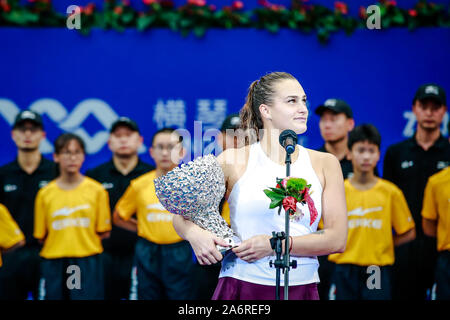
(409, 166)
(121, 241)
(346, 165)
(19, 189)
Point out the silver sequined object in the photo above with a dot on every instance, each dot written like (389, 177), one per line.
(194, 191)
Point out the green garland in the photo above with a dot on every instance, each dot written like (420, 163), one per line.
(197, 16)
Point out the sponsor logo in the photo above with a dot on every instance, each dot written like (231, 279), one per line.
(66, 211)
(71, 222)
(108, 185)
(69, 122)
(9, 187)
(407, 164)
(43, 183)
(442, 165)
(360, 212)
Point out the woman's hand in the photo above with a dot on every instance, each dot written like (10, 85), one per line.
(253, 249)
(204, 243)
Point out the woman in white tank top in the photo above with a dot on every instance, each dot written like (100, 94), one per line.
(274, 103)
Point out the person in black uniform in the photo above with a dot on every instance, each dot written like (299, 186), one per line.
(409, 164)
(115, 175)
(336, 121)
(20, 180)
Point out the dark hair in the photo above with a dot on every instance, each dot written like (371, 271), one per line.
(260, 92)
(362, 133)
(63, 140)
(166, 130)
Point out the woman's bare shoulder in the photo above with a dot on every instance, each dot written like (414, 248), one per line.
(233, 156)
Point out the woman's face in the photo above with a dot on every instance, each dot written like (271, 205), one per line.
(288, 109)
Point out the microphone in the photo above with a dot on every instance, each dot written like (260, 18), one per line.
(288, 140)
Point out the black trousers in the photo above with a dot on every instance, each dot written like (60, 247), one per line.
(19, 274)
(72, 279)
(163, 271)
(326, 269)
(354, 282)
(413, 270)
(443, 276)
(117, 275)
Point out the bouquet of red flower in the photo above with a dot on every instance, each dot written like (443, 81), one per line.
(288, 193)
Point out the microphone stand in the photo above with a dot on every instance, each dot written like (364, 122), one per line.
(276, 243)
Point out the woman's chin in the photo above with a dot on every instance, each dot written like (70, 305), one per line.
(299, 129)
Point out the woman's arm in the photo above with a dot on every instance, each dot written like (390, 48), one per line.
(333, 237)
(202, 241)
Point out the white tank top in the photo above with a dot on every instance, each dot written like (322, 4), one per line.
(250, 216)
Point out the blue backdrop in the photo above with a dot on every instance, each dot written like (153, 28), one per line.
(82, 84)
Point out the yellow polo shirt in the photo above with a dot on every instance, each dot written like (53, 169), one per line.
(69, 220)
(154, 222)
(372, 214)
(10, 233)
(436, 206)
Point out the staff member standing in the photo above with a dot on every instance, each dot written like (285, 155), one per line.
(20, 181)
(378, 220)
(409, 164)
(115, 176)
(164, 266)
(436, 223)
(336, 121)
(72, 215)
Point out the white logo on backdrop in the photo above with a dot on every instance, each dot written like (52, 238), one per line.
(171, 113)
(211, 112)
(72, 122)
(166, 113)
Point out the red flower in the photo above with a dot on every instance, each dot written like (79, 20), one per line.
(290, 203)
(362, 13)
(237, 5)
(341, 7)
(312, 208)
(118, 10)
(199, 3)
(412, 13)
(278, 186)
(276, 7)
(392, 3)
(89, 9)
(149, 2)
(264, 3)
(5, 6)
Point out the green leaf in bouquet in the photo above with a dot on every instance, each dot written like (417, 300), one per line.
(279, 191)
(273, 195)
(275, 203)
